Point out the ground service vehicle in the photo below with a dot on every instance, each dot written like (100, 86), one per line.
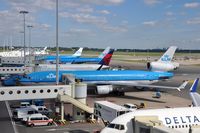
(108, 111)
(38, 120)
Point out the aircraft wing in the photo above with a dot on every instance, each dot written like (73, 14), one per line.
(193, 94)
(182, 86)
(134, 84)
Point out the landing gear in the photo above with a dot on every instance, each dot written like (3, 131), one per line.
(118, 93)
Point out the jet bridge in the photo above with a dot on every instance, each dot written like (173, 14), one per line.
(33, 92)
(15, 70)
(74, 93)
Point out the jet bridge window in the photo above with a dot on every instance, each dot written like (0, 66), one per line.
(34, 91)
(18, 92)
(48, 90)
(55, 90)
(2, 92)
(26, 91)
(10, 92)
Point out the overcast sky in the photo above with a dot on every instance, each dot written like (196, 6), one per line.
(100, 23)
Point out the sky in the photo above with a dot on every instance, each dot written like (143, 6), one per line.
(128, 24)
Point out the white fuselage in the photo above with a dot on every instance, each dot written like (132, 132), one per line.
(50, 67)
(163, 66)
(176, 118)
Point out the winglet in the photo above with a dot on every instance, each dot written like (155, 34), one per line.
(106, 51)
(194, 85)
(78, 52)
(182, 86)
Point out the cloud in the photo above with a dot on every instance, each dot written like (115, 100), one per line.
(85, 10)
(169, 13)
(150, 23)
(78, 32)
(115, 29)
(151, 2)
(106, 12)
(193, 21)
(192, 5)
(103, 2)
(85, 18)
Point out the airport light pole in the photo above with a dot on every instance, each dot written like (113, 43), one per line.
(21, 39)
(57, 47)
(24, 13)
(29, 27)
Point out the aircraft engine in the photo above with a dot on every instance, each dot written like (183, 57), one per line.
(104, 89)
(160, 66)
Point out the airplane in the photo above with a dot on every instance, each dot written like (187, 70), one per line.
(40, 52)
(179, 119)
(165, 59)
(20, 53)
(103, 64)
(85, 59)
(52, 58)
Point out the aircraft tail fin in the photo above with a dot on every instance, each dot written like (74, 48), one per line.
(104, 52)
(45, 48)
(193, 94)
(78, 52)
(106, 59)
(168, 55)
(194, 85)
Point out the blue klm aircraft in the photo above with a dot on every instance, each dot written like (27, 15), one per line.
(75, 58)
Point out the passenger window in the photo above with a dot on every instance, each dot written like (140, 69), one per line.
(39, 109)
(46, 118)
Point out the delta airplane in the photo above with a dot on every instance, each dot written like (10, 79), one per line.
(103, 64)
(180, 119)
(165, 62)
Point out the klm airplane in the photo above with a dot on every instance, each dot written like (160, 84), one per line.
(52, 58)
(85, 59)
(75, 58)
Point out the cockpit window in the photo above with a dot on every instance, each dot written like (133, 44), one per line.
(111, 125)
(116, 126)
(122, 127)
